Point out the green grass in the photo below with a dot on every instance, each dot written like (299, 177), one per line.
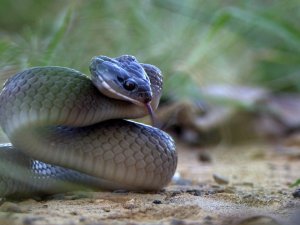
(194, 42)
(296, 183)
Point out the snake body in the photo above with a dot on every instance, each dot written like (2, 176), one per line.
(68, 133)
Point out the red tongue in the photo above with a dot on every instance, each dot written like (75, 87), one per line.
(152, 115)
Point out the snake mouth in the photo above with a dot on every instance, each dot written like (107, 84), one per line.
(154, 121)
(106, 88)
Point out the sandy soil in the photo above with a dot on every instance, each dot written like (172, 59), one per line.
(251, 186)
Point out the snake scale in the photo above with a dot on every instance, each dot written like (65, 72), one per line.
(70, 132)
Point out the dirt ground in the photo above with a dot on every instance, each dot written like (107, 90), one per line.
(220, 185)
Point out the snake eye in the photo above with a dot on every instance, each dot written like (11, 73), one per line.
(129, 85)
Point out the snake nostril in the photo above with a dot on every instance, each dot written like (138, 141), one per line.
(147, 98)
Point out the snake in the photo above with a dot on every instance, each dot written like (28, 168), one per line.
(70, 131)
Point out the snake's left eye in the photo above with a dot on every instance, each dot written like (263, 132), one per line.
(129, 85)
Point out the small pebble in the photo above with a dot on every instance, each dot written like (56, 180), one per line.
(296, 194)
(106, 209)
(220, 179)
(247, 196)
(204, 157)
(157, 202)
(175, 193)
(208, 218)
(178, 180)
(194, 192)
(211, 192)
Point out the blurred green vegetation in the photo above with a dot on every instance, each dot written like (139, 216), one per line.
(194, 42)
(296, 183)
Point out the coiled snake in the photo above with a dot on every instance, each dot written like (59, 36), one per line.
(68, 131)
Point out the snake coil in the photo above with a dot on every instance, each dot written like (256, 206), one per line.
(68, 132)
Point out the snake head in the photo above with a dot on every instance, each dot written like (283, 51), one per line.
(121, 78)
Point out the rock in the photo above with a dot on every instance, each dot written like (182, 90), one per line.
(220, 179)
(178, 180)
(175, 193)
(204, 157)
(296, 193)
(157, 202)
(194, 192)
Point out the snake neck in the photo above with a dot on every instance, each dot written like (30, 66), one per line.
(58, 96)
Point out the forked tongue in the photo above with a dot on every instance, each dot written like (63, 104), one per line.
(153, 118)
